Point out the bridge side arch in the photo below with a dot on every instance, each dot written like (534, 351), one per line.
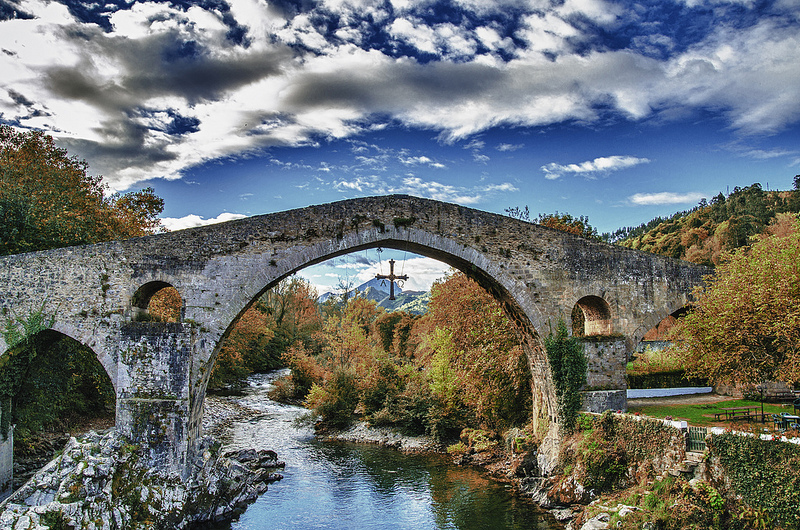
(87, 340)
(49, 353)
(596, 313)
(653, 319)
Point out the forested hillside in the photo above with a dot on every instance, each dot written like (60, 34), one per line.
(702, 234)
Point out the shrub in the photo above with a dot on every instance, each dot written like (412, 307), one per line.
(283, 390)
(335, 402)
(305, 370)
(764, 473)
(381, 384)
(479, 439)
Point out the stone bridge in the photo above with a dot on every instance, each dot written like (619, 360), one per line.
(160, 371)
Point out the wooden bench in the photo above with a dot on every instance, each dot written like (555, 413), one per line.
(780, 395)
(736, 413)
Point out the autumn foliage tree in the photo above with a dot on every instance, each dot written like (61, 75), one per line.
(744, 327)
(565, 222)
(285, 318)
(48, 200)
(486, 351)
(460, 365)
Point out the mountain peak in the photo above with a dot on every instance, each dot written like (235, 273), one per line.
(380, 285)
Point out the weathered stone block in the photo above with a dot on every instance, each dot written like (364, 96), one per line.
(603, 400)
(606, 361)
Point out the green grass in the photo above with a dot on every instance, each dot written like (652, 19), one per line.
(702, 414)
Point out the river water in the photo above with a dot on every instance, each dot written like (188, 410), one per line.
(340, 486)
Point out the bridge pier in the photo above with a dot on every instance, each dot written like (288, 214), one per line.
(153, 398)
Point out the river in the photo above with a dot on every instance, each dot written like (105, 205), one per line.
(332, 485)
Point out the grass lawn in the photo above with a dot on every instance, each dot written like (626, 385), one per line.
(702, 414)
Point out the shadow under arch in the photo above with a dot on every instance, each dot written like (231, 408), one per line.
(512, 295)
(55, 379)
(591, 316)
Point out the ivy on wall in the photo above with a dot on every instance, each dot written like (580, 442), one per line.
(568, 366)
(608, 447)
(764, 472)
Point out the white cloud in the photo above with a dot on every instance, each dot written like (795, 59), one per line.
(420, 36)
(589, 168)
(505, 148)
(475, 144)
(192, 220)
(505, 186)
(665, 197)
(751, 74)
(109, 96)
(416, 160)
(420, 187)
(765, 154)
(362, 184)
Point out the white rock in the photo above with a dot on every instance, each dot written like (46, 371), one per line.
(595, 523)
(23, 523)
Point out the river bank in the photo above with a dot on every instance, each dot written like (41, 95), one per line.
(99, 482)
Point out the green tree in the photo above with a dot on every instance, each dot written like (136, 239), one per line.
(48, 200)
(568, 368)
(744, 327)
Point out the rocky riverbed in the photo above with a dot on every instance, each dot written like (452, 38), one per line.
(99, 482)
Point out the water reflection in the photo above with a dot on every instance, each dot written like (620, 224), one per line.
(346, 486)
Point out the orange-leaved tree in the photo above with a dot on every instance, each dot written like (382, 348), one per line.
(486, 351)
(744, 327)
(48, 200)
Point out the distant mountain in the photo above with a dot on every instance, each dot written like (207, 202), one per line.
(415, 302)
(380, 285)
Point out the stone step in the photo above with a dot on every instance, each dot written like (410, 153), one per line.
(695, 456)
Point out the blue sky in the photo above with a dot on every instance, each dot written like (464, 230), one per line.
(617, 110)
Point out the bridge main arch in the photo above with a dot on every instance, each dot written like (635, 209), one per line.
(508, 291)
(160, 370)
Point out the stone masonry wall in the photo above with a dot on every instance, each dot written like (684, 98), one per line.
(537, 273)
(606, 364)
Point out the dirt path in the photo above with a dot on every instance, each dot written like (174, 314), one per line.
(689, 399)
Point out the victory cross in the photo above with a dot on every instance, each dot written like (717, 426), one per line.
(391, 277)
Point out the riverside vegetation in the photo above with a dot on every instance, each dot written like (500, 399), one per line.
(624, 471)
(460, 365)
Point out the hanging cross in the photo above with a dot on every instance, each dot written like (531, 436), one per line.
(391, 277)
